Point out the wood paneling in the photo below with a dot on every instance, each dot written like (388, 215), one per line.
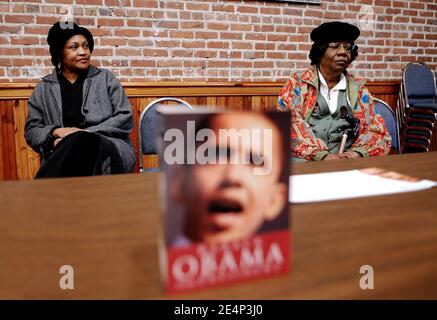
(19, 162)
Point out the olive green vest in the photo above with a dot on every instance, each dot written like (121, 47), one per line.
(327, 127)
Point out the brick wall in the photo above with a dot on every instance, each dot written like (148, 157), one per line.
(216, 40)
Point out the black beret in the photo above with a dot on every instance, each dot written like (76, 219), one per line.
(59, 35)
(335, 31)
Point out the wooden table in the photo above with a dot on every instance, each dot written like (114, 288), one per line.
(107, 229)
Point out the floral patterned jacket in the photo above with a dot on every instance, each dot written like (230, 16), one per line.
(299, 95)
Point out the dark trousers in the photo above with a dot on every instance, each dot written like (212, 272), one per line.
(81, 154)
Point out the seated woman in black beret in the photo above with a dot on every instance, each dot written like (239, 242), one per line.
(332, 113)
(79, 117)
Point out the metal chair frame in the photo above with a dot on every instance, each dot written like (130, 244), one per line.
(148, 107)
(395, 118)
(413, 120)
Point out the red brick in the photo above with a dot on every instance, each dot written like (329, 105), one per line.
(10, 29)
(292, 12)
(224, 8)
(140, 43)
(263, 64)
(141, 23)
(401, 19)
(116, 41)
(173, 15)
(393, 11)
(4, 62)
(169, 63)
(110, 22)
(168, 24)
(197, 6)
(36, 30)
(242, 45)
(287, 47)
(22, 62)
(277, 37)
(205, 54)
(182, 53)
(181, 34)
(193, 25)
(24, 40)
(193, 44)
(86, 22)
(218, 45)
(127, 32)
(248, 9)
(256, 36)
(332, 15)
(299, 38)
(167, 43)
(206, 35)
(16, 8)
(236, 55)
(103, 52)
(217, 64)
(241, 64)
(431, 37)
(271, 11)
(418, 36)
(155, 53)
(19, 18)
(144, 4)
(36, 52)
(173, 5)
(114, 62)
(254, 55)
(297, 56)
(9, 51)
(276, 55)
(264, 46)
(231, 35)
(194, 64)
(267, 28)
(100, 32)
(416, 5)
(143, 63)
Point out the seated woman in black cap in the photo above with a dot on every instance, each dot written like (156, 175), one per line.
(332, 112)
(79, 117)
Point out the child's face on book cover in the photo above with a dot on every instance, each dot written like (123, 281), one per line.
(225, 202)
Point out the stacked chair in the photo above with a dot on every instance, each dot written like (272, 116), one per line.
(417, 107)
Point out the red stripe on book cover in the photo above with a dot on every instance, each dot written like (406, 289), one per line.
(204, 265)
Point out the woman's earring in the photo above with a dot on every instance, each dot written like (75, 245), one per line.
(59, 66)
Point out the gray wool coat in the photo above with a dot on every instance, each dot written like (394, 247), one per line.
(105, 107)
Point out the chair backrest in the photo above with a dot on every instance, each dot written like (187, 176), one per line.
(391, 122)
(420, 84)
(147, 126)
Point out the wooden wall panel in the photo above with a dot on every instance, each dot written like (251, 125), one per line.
(8, 137)
(3, 142)
(18, 161)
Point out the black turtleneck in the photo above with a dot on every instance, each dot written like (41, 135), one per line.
(71, 94)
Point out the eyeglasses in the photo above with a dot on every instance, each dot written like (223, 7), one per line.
(336, 46)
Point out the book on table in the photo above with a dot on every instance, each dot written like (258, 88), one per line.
(224, 187)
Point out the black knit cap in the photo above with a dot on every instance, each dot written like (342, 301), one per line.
(335, 31)
(59, 35)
